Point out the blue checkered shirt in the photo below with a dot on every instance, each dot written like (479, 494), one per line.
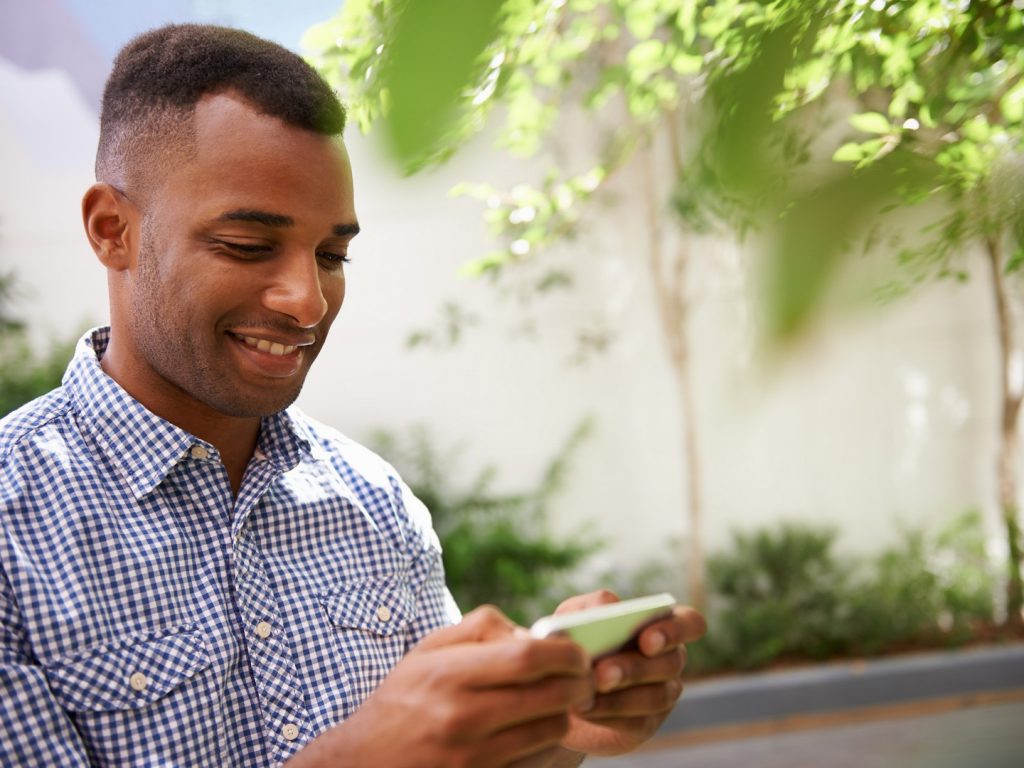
(147, 617)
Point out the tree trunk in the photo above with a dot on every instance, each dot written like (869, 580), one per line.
(1006, 467)
(670, 289)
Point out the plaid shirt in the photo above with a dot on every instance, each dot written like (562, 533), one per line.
(149, 618)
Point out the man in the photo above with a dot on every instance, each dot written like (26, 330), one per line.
(195, 573)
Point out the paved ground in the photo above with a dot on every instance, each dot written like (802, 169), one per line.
(990, 736)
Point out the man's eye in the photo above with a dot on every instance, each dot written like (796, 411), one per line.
(249, 249)
(332, 259)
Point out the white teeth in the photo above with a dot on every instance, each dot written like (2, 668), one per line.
(271, 347)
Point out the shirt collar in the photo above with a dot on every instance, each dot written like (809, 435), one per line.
(145, 447)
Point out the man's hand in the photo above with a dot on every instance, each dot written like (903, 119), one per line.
(480, 693)
(637, 689)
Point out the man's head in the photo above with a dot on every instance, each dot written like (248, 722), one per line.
(160, 76)
(223, 213)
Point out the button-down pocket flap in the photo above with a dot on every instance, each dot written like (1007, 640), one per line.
(382, 607)
(128, 676)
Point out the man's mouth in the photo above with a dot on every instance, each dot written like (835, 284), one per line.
(270, 347)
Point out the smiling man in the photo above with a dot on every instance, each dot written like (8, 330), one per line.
(192, 571)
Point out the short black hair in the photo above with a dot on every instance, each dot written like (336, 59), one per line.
(159, 77)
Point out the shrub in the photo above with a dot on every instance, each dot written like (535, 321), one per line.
(775, 593)
(783, 594)
(496, 546)
(25, 373)
(929, 589)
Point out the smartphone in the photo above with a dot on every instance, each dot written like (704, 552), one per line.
(607, 628)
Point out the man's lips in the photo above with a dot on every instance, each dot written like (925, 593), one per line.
(277, 357)
(275, 347)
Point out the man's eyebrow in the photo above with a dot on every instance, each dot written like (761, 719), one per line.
(278, 220)
(259, 217)
(344, 230)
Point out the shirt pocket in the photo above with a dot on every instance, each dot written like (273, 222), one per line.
(381, 607)
(369, 621)
(128, 675)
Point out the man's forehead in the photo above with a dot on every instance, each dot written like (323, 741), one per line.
(230, 109)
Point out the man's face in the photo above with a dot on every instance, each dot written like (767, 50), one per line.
(240, 268)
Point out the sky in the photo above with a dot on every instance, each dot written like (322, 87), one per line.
(55, 56)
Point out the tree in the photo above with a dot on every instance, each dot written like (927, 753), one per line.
(932, 89)
(609, 59)
(937, 117)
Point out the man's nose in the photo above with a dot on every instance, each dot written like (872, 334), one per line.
(296, 290)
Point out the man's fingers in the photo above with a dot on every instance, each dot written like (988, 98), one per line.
(479, 625)
(519, 704)
(685, 625)
(589, 600)
(522, 660)
(512, 660)
(528, 740)
(638, 701)
(625, 670)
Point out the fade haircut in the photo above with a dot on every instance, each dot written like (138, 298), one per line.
(159, 77)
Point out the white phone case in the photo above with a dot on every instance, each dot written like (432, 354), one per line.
(606, 628)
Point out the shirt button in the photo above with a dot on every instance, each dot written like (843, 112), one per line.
(263, 630)
(199, 452)
(138, 681)
(290, 732)
(384, 613)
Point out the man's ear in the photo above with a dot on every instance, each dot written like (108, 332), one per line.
(109, 220)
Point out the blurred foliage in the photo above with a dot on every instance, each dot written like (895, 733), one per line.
(780, 593)
(826, 127)
(497, 546)
(783, 594)
(25, 373)
(932, 94)
(931, 90)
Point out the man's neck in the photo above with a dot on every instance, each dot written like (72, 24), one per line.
(234, 437)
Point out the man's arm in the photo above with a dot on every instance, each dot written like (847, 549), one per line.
(478, 693)
(34, 729)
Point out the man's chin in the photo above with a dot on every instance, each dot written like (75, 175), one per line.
(257, 405)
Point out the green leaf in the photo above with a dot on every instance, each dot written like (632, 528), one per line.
(646, 58)
(1015, 262)
(427, 101)
(687, 64)
(871, 122)
(850, 152)
(872, 149)
(320, 36)
(977, 129)
(641, 19)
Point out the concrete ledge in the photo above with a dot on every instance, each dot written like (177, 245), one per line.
(836, 687)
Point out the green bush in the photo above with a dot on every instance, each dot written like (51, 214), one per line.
(25, 373)
(929, 589)
(783, 594)
(497, 547)
(775, 593)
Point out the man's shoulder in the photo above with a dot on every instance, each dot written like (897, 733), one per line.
(30, 422)
(331, 444)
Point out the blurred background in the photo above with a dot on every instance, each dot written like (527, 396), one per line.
(719, 298)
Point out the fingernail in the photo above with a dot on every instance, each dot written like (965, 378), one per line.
(657, 642)
(610, 677)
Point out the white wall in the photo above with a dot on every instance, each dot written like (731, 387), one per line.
(887, 421)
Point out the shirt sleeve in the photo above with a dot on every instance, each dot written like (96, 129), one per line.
(34, 729)
(435, 606)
